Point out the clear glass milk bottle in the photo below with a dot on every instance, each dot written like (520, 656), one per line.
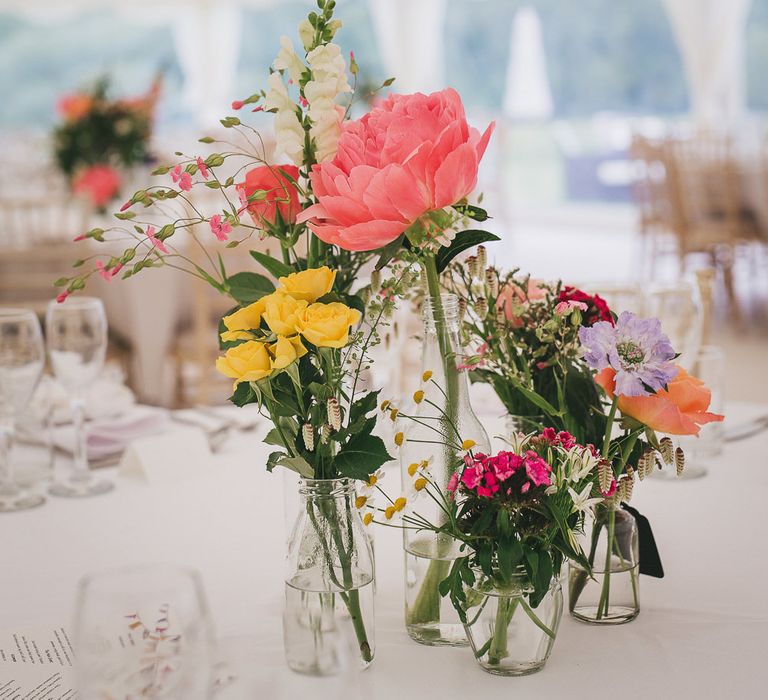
(443, 418)
(329, 592)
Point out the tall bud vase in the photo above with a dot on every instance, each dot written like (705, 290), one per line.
(430, 618)
(329, 582)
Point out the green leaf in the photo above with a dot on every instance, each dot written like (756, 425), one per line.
(361, 456)
(272, 265)
(244, 394)
(298, 465)
(473, 212)
(463, 241)
(247, 287)
(389, 251)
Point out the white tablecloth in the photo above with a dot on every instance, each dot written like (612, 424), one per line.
(702, 632)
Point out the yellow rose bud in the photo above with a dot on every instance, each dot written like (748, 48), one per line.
(468, 444)
(412, 468)
(418, 396)
(309, 285)
(245, 319)
(399, 503)
(426, 376)
(327, 325)
(399, 437)
(281, 313)
(367, 518)
(285, 351)
(420, 483)
(247, 362)
(360, 501)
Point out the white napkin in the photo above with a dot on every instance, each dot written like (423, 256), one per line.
(108, 437)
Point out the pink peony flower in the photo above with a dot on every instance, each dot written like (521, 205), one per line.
(408, 156)
(99, 183)
(220, 228)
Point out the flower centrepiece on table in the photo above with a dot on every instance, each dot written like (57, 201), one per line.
(558, 357)
(99, 137)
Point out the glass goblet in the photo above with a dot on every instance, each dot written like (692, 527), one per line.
(21, 363)
(76, 336)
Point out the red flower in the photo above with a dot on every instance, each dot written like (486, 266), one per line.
(280, 194)
(99, 183)
(597, 308)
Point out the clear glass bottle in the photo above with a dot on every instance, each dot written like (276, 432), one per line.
(329, 581)
(611, 596)
(508, 636)
(430, 618)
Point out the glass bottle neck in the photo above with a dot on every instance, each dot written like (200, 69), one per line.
(314, 489)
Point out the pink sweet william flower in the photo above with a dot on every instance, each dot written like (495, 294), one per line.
(410, 155)
(565, 307)
(202, 168)
(453, 482)
(156, 242)
(472, 476)
(220, 228)
(537, 469)
(183, 178)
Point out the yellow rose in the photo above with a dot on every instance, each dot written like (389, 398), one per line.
(281, 312)
(247, 362)
(327, 325)
(241, 321)
(286, 350)
(309, 285)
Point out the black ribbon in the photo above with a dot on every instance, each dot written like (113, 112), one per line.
(650, 560)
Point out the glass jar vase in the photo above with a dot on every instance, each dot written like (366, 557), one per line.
(329, 581)
(509, 636)
(611, 596)
(442, 421)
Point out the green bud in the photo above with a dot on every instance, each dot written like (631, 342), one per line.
(78, 263)
(128, 255)
(162, 170)
(213, 184)
(166, 232)
(61, 281)
(77, 284)
(207, 139)
(232, 244)
(214, 160)
(125, 215)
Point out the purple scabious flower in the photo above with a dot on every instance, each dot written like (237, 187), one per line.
(636, 348)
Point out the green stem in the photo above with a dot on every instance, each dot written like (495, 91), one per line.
(426, 607)
(609, 426)
(537, 620)
(498, 649)
(603, 604)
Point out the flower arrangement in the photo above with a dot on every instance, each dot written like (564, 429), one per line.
(560, 358)
(98, 136)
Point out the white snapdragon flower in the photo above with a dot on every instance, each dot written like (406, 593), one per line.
(327, 63)
(306, 34)
(289, 134)
(288, 60)
(326, 130)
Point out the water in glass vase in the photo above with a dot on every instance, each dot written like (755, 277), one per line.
(623, 603)
(320, 635)
(429, 617)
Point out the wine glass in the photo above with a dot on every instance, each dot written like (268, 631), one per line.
(21, 363)
(676, 306)
(76, 335)
(143, 632)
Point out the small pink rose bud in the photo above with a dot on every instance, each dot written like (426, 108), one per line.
(258, 109)
(62, 296)
(237, 104)
(127, 205)
(81, 237)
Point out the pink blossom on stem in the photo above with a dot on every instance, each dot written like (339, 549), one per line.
(202, 167)
(80, 237)
(127, 205)
(565, 307)
(183, 178)
(156, 242)
(220, 228)
(237, 104)
(106, 274)
(60, 299)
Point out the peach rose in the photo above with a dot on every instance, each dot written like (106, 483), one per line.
(511, 296)
(680, 410)
(281, 194)
(408, 156)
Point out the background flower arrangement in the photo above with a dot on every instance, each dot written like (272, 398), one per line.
(100, 136)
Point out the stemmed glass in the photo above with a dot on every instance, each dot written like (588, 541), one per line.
(143, 632)
(21, 363)
(76, 335)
